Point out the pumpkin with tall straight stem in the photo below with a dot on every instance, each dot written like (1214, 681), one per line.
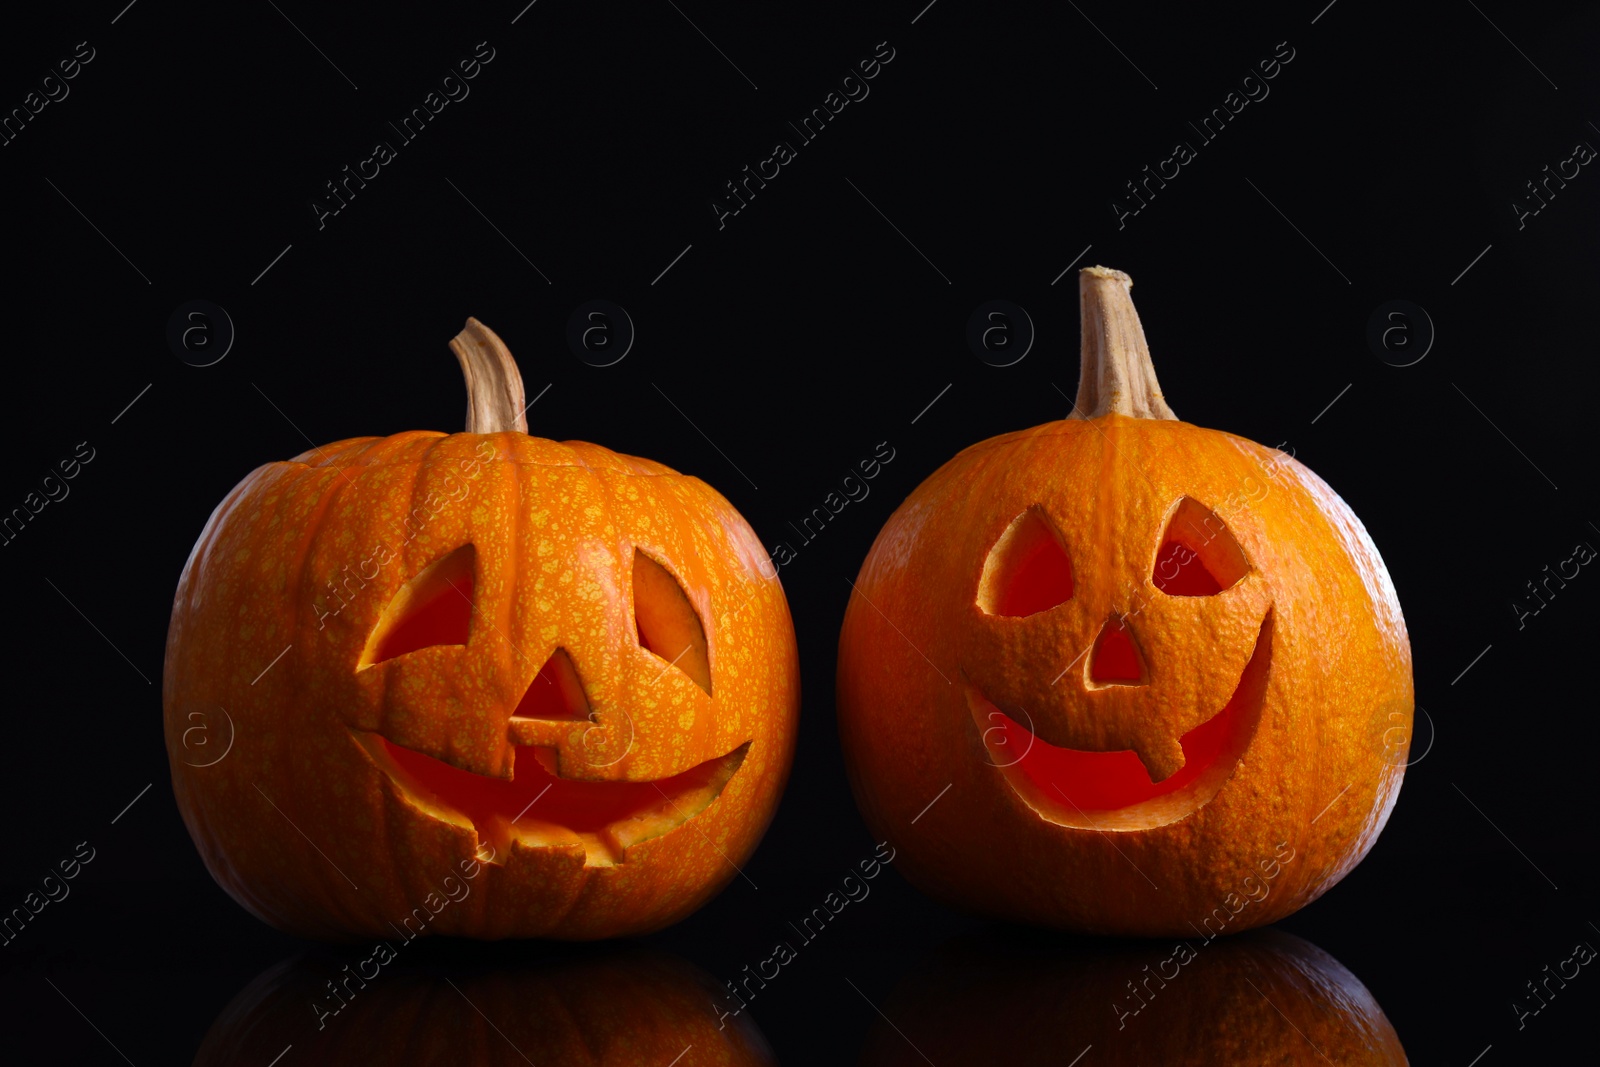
(1122, 674)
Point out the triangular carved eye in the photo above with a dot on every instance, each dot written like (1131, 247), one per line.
(434, 608)
(1198, 554)
(667, 622)
(1028, 570)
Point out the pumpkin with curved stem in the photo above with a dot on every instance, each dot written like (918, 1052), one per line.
(1142, 657)
(480, 684)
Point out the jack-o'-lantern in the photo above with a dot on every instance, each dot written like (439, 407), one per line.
(480, 684)
(628, 1009)
(1265, 997)
(1095, 674)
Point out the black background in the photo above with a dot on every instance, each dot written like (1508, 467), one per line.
(797, 338)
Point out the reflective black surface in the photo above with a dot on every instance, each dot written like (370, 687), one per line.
(595, 1007)
(1262, 996)
(188, 160)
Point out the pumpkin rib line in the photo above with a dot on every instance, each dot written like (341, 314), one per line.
(300, 621)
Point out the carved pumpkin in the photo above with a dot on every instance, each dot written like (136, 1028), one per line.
(635, 1009)
(1265, 997)
(480, 684)
(1140, 655)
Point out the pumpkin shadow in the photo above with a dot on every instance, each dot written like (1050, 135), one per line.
(626, 1006)
(1006, 995)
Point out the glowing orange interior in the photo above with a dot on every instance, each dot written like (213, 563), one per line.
(1115, 659)
(1105, 781)
(555, 693)
(1199, 555)
(666, 622)
(537, 794)
(1028, 570)
(435, 608)
(441, 613)
(1191, 577)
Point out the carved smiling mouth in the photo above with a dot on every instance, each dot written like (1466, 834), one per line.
(540, 808)
(1113, 790)
(536, 805)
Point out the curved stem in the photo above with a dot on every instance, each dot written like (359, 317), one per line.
(494, 385)
(1116, 374)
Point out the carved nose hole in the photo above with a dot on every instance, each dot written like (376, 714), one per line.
(556, 692)
(1116, 659)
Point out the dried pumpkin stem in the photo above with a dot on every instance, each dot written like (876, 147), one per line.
(1116, 374)
(494, 385)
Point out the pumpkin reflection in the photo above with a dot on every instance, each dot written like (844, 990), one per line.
(1262, 997)
(617, 1009)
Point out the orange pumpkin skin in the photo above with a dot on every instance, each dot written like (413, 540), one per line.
(1308, 648)
(1264, 998)
(306, 821)
(636, 1009)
